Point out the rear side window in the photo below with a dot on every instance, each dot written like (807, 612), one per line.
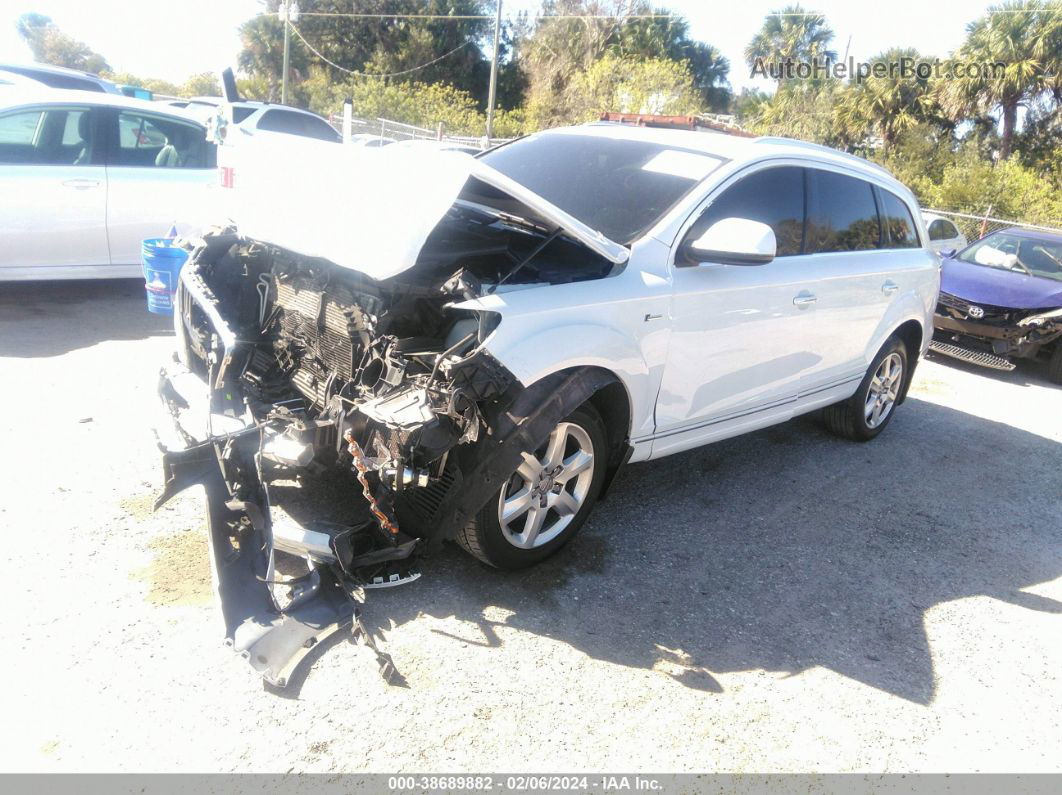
(942, 230)
(284, 121)
(160, 142)
(239, 114)
(899, 228)
(842, 215)
(773, 196)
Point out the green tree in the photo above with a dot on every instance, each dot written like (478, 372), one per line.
(262, 54)
(634, 85)
(791, 34)
(802, 109)
(1025, 36)
(571, 36)
(440, 50)
(886, 106)
(50, 45)
(204, 84)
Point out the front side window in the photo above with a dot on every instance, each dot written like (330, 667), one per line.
(899, 228)
(773, 196)
(842, 215)
(47, 136)
(936, 230)
(159, 142)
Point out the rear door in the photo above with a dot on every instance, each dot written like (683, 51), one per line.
(847, 273)
(160, 172)
(53, 189)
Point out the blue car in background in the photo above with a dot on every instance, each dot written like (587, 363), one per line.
(1001, 300)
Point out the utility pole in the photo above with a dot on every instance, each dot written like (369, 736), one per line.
(493, 75)
(285, 15)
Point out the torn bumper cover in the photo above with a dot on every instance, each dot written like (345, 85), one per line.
(288, 368)
(992, 336)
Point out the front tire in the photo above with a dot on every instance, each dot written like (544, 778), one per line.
(864, 415)
(542, 505)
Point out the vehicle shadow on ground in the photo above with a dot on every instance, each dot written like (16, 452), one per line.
(781, 550)
(1025, 373)
(53, 318)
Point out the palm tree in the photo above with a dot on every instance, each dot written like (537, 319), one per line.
(886, 106)
(1025, 36)
(791, 34)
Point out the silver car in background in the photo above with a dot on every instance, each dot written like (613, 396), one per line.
(86, 176)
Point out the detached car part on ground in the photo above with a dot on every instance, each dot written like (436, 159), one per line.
(1001, 300)
(477, 360)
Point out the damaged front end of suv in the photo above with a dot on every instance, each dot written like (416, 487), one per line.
(292, 365)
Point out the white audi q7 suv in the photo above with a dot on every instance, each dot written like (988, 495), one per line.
(476, 346)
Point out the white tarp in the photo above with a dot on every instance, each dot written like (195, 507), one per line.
(367, 209)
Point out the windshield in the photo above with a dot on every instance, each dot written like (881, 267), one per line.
(616, 187)
(1008, 251)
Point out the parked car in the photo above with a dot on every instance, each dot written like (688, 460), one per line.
(85, 177)
(943, 234)
(371, 141)
(60, 77)
(485, 342)
(1001, 300)
(439, 146)
(262, 118)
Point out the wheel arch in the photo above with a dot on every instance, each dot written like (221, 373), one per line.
(912, 334)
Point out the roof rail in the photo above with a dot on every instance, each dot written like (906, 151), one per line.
(776, 139)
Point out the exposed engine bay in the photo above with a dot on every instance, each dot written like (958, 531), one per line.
(992, 336)
(311, 369)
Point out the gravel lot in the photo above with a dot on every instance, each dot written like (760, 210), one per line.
(784, 601)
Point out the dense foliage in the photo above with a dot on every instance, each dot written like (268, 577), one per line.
(972, 144)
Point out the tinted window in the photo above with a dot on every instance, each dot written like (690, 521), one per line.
(615, 186)
(842, 215)
(899, 225)
(284, 121)
(949, 229)
(936, 231)
(48, 136)
(156, 141)
(239, 114)
(774, 196)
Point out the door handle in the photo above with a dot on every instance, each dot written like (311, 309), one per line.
(804, 299)
(81, 184)
(889, 287)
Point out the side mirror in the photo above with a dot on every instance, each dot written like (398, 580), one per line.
(948, 253)
(733, 241)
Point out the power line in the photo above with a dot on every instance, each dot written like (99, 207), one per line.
(481, 16)
(365, 74)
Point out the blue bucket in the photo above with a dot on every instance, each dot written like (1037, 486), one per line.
(162, 265)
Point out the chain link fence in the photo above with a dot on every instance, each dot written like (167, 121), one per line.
(400, 131)
(974, 227)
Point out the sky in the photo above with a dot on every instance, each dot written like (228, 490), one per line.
(172, 41)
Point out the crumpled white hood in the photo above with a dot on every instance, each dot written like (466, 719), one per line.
(370, 210)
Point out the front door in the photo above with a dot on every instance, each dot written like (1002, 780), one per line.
(740, 339)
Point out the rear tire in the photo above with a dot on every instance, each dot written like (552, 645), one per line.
(565, 475)
(1054, 366)
(864, 415)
